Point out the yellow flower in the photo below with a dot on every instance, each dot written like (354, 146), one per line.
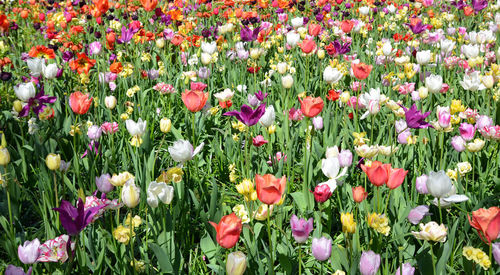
(124, 116)
(136, 221)
(236, 137)
(452, 174)
(477, 255)
(120, 179)
(271, 129)
(213, 111)
(431, 232)
(464, 168)
(246, 188)
(379, 222)
(359, 138)
(75, 129)
(348, 223)
(122, 234)
(241, 212)
(140, 266)
(262, 212)
(456, 106)
(136, 141)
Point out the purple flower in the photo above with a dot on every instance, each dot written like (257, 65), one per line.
(37, 103)
(496, 252)
(248, 35)
(67, 55)
(369, 263)
(341, 48)
(14, 270)
(126, 35)
(301, 228)
(415, 119)
(103, 183)
(321, 248)
(417, 28)
(75, 219)
(421, 184)
(458, 143)
(467, 131)
(28, 252)
(418, 213)
(479, 5)
(405, 269)
(345, 158)
(260, 95)
(247, 115)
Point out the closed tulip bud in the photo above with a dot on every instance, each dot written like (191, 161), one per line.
(4, 156)
(321, 248)
(25, 91)
(458, 143)
(287, 81)
(165, 125)
(488, 81)
(369, 263)
(321, 53)
(318, 123)
(236, 263)
(160, 43)
(131, 194)
(423, 57)
(421, 184)
(110, 102)
(359, 194)
(405, 269)
(28, 252)
(423, 92)
(255, 53)
(387, 49)
(345, 158)
(18, 106)
(53, 161)
(438, 184)
(269, 116)
(103, 184)
(282, 67)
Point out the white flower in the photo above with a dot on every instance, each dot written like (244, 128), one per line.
(25, 91)
(387, 49)
(364, 10)
(470, 51)
(292, 38)
(206, 58)
(136, 128)
(439, 184)
(131, 194)
(447, 45)
(182, 150)
(35, 66)
(269, 116)
(297, 22)
(225, 95)
(472, 82)
(434, 83)
(332, 75)
(331, 169)
(423, 57)
(450, 198)
(287, 81)
(49, 71)
(159, 190)
(209, 48)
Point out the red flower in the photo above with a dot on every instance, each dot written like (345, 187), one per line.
(228, 230)
(42, 51)
(259, 141)
(225, 104)
(378, 173)
(82, 64)
(333, 95)
(322, 193)
(307, 45)
(253, 70)
(396, 177)
(149, 5)
(359, 194)
(361, 70)
(79, 102)
(311, 106)
(269, 188)
(194, 100)
(487, 223)
(314, 29)
(347, 26)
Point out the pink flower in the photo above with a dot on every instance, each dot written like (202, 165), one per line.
(259, 141)
(467, 131)
(406, 88)
(295, 114)
(55, 250)
(109, 128)
(164, 88)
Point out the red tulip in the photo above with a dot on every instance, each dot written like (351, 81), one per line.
(487, 223)
(378, 173)
(359, 194)
(269, 188)
(149, 5)
(311, 106)
(322, 193)
(314, 29)
(79, 102)
(347, 26)
(228, 230)
(361, 70)
(194, 100)
(396, 177)
(307, 45)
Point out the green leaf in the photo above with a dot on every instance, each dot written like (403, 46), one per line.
(163, 258)
(447, 249)
(298, 198)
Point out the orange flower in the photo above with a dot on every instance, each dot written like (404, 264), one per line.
(228, 230)
(79, 102)
(4, 23)
(311, 106)
(396, 177)
(487, 223)
(42, 51)
(194, 100)
(359, 194)
(177, 40)
(269, 188)
(361, 70)
(314, 29)
(82, 64)
(347, 26)
(149, 5)
(307, 45)
(101, 7)
(378, 173)
(116, 67)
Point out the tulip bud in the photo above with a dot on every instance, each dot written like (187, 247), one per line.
(206, 58)
(318, 123)
(4, 156)
(255, 53)
(160, 43)
(18, 106)
(488, 81)
(423, 92)
(282, 67)
(165, 125)
(53, 161)
(236, 263)
(131, 194)
(321, 53)
(287, 81)
(359, 194)
(110, 102)
(321, 248)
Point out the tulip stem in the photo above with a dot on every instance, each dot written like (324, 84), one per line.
(300, 259)
(131, 225)
(193, 123)
(271, 267)
(433, 261)
(9, 206)
(321, 272)
(440, 215)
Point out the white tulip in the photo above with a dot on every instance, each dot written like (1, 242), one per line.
(110, 102)
(131, 194)
(331, 169)
(292, 38)
(225, 95)
(159, 190)
(182, 150)
(332, 75)
(447, 45)
(434, 83)
(387, 49)
(209, 48)
(49, 71)
(472, 82)
(35, 66)
(282, 67)
(423, 57)
(287, 81)
(25, 91)
(470, 51)
(297, 22)
(269, 116)
(206, 58)
(136, 128)
(438, 184)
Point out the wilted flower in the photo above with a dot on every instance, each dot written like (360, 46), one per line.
(418, 213)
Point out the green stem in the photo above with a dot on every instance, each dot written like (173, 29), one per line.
(11, 225)
(300, 259)
(271, 261)
(491, 259)
(440, 215)
(194, 128)
(433, 260)
(131, 243)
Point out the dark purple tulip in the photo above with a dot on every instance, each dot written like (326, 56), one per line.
(341, 48)
(247, 115)
(479, 5)
(261, 96)
(417, 28)
(5, 76)
(37, 103)
(67, 55)
(415, 119)
(248, 35)
(75, 219)
(126, 35)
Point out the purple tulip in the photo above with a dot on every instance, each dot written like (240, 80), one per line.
(28, 252)
(345, 158)
(403, 137)
(37, 103)
(317, 122)
(421, 184)
(260, 95)
(203, 72)
(94, 132)
(417, 28)
(103, 183)
(95, 48)
(479, 5)
(405, 269)
(483, 121)
(458, 143)
(14, 270)
(253, 100)
(321, 248)
(249, 35)
(467, 131)
(415, 119)
(301, 228)
(369, 263)
(247, 115)
(418, 213)
(127, 35)
(75, 219)
(496, 252)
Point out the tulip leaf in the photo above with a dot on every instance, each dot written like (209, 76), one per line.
(447, 249)
(298, 198)
(163, 258)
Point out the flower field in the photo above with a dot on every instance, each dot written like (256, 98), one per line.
(249, 137)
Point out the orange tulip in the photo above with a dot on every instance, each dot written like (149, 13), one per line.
(269, 188)
(314, 29)
(311, 106)
(79, 102)
(361, 70)
(307, 45)
(228, 230)
(194, 100)
(359, 194)
(149, 5)
(378, 173)
(116, 67)
(347, 26)
(396, 177)
(487, 223)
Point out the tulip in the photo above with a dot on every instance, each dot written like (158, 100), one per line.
(438, 184)
(345, 158)
(423, 57)
(182, 150)
(321, 248)
(447, 45)
(268, 118)
(194, 100)
(110, 102)
(405, 269)
(467, 131)
(322, 193)
(35, 66)
(434, 83)
(131, 194)
(79, 102)
(483, 121)
(4, 156)
(348, 223)
(165, 125)
(49, 71)
(95, 48)
(103, 184)
(25, 91)
(472, 82)
(369, 263)
(206, 58)
(259, 141)
(236, 263)
(470, 51)
(75, 219)
(301, 228)
(431, 232)
(487, 223)
(94, 132)
(269, 188)
(418, 213)
(136, 128)
(332, 75)
(15, 270)
(317, 123)
(475, 146)
(421, 184)
(377, 173)
(359, 194)
(387, 49)
(360, 70)
(331, 169)
(53, 161)
(311, 106)
(262, 212)
(159, 190)
(228, 230)
(458, 143)
(28, 252)
(287, 81)
(496, 252)
(209, 48)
